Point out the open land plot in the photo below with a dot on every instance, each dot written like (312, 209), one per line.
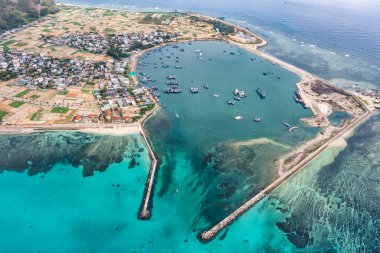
(81, 20)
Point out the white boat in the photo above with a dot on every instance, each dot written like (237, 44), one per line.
(238, 117)
(200, 54)
(198, 51)
(216, 95)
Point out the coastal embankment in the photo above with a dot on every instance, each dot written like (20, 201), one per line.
(208, 235)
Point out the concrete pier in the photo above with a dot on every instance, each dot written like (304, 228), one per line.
(210, 234)
(144, 212)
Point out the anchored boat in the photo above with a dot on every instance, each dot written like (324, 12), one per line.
(238, 117)
(260, 92)
(194, 90)
(231, 102)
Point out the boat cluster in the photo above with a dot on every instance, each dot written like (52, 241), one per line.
(171, 81)
(239, 94)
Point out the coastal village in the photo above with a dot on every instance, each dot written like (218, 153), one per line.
(78, 67)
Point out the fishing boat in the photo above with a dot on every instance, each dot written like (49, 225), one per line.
(257, 119)
(231, 102)
(172, 82)
(194, 90)
(182, 50)
(287, 124)
(297, 99)
(292, 128)
(253, 59)
(240, 93)
(238, 117)
(216, 95)
(172, 91)
(165, 66)
(198, 51)
(260, 92)
(178, 67)
(205, 86)
(237, 98)
(170, 77)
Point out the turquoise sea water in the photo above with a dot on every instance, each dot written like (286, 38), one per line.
(62, 211)
(331, 206)
(201, 127)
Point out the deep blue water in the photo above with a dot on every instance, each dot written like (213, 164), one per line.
(331, 206)
(333, 39)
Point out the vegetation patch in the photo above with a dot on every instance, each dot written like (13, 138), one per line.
(22, 93)
(6, 44)
(7, 75)
(76, 23)
(37, 115)
(221, 27)
(89, 9)
(157, 19)
(20, 44)
(108, 13)
(62, 92)
(2, 113)
(16, 104)
(14, 14)
(41, 45)
(258, 41)
(46, 30)
(34, 97)
(108, 30)
(59, 109)
(117, 54)
(88, 87)
(77, 51)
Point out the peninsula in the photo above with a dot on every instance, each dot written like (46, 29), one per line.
(76, 70)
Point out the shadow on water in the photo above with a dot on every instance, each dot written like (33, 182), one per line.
(39, 152)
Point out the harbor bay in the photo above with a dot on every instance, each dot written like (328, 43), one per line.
(187, 137)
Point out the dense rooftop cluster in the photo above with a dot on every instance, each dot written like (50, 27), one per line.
(42, 71)
(121, 44)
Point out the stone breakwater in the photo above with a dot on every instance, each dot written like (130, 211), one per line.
(210, 234)
(144, 212)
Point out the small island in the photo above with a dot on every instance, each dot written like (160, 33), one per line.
(77, 70)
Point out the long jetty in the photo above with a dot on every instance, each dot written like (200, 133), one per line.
(210, 234)
(144, 212)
